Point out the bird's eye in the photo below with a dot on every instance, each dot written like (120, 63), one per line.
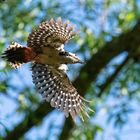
(64, 53)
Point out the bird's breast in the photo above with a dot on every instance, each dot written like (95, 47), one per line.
(49, 56)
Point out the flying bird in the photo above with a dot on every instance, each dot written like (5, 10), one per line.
(45, 50)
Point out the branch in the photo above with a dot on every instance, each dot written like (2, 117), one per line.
(67, 128)
(112, 77)
(88, 74)
(125, 42)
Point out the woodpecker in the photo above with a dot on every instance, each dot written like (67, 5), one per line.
(45, 50)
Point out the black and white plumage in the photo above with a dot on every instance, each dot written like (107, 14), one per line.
(52, 34)
(53, 84)
(45, 49)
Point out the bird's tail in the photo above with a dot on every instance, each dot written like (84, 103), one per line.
(16, 55)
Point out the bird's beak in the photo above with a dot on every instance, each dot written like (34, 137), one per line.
(79, 61)
(82, 62)
(76, 59)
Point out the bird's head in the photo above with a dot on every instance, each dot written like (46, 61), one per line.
(70, 58)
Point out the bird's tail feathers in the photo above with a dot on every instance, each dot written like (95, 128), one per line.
(16, 55)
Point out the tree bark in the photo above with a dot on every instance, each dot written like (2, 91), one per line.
(125, 42)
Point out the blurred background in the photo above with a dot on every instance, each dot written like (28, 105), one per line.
(109, 42)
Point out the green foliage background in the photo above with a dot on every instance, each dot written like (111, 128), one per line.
(100, 23)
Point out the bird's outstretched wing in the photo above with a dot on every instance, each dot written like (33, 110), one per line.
(50, 34)
(53, 84)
